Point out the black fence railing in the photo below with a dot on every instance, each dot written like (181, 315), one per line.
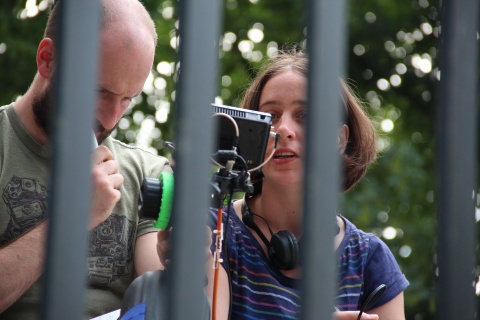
(75, 97)
(457, 123)
(457, 127)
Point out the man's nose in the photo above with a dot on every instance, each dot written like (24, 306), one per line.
(110, 114)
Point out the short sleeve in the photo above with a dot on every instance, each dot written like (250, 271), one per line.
(382, 268)
(144, 227)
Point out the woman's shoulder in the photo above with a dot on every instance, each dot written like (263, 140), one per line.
(354, 234)
(368, 245)
(358, 239)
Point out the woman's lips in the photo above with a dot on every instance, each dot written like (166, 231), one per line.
(284, 156)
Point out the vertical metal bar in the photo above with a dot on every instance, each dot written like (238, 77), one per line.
(199, 55)
(326, 48)
(74, 100)
(457, 137)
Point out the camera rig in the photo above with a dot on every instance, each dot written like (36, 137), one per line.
(241, 142)
(240, 146)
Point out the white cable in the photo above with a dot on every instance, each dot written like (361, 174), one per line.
(231, 119)
(237, 132)
(272, 134)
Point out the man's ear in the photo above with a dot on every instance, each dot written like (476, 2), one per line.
(45, 58)
(343, 135)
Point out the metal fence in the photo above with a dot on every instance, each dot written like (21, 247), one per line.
(457, 123)
(457, 126)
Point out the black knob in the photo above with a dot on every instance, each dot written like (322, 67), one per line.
(150, 199)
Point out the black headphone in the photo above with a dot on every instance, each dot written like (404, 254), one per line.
(283, 247)
(283, 250)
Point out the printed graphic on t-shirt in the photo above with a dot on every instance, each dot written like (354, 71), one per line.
(110, 243)
(26, 202)
(110, 250)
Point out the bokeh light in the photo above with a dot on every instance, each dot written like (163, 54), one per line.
(387, 125)
(389, 233)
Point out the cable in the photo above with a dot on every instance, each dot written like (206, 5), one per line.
(237, 132)
(237, 135)
(372, 299)
(272, 134)
(277, 136)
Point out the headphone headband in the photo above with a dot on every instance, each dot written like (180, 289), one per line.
(248, 219)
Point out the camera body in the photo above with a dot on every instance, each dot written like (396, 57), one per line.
(249, 146)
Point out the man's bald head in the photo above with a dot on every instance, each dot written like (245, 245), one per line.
(127, 49)
(113, 14)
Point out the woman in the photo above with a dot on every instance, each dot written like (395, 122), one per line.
(262, 286)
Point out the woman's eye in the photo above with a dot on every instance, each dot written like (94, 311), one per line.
(302, 116)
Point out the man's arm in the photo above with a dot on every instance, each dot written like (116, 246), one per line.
(21, 263)
(146, 256)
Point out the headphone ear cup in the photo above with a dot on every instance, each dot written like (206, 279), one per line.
(283, 250)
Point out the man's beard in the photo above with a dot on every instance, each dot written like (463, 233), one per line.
(42, 108)
(101, 132)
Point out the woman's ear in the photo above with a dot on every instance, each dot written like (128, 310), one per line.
(343, 135)
(45, 58)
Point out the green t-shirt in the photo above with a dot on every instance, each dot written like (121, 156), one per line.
(24, 176)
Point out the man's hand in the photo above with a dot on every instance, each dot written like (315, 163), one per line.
(163, 247)
(106, 180)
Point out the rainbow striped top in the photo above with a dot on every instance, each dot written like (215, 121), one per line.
(260, 291)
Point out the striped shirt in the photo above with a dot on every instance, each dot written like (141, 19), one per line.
(260, 291)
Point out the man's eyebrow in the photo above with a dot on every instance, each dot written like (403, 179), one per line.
(103, 89)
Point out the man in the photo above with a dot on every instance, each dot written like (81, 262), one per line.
(120, 247)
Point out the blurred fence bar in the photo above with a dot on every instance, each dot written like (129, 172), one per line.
(199, 58)
(457, 149)
(326, 34)
(75, 98)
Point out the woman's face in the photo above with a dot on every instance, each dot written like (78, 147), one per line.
(284, 97)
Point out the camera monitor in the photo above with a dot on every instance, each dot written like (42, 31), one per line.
(254, 130)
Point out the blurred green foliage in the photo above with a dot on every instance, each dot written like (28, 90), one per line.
(392, 62)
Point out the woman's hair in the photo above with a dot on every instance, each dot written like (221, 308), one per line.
(360, 150)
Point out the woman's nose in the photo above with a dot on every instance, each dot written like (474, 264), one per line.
(286, 128)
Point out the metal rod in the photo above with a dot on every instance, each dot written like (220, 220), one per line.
(199, 55)
(326, 49)
(457, 154)
(74, 100)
